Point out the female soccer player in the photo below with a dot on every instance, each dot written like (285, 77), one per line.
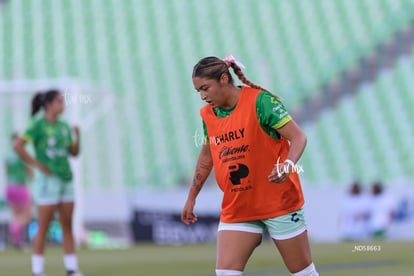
(53, 186)
(253, 145)
(17, 195)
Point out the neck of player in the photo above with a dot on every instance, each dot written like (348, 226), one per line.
(233, 94)
(50, 117)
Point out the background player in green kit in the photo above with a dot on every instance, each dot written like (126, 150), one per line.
(53, 186)
(18, 195)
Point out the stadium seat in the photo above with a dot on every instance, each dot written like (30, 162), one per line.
(143, 52)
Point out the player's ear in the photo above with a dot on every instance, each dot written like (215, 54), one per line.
(224, 79)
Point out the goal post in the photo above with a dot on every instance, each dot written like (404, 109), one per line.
(15, 104)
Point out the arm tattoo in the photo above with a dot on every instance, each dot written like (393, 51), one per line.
(204, 166)
(197, 181)
(198, 176)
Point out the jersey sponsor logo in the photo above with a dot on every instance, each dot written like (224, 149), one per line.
(228, 151)
(237, 172)
(283, 114)
(241, 189)
(51, 141)
(276, 108)
(273, 100)
(227, 137)
(233, 158)
(52, 153)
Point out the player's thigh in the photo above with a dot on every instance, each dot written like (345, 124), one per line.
(67, 204)
(289, 234)
(67, 192)
(234, 247)
(44, 216)
(295, 252)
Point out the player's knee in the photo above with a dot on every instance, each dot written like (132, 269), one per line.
(226, 272)
(310, 270)
(66, 225)
(42, 230)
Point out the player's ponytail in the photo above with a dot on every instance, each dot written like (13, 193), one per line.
(40, 99)
(37, 102)
(213, 68)
(236, 66)
(240, 75)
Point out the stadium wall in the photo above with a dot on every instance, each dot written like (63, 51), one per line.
(322, 209)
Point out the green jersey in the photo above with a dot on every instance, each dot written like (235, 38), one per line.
(271, 114)
(51, 143)
(16, 169)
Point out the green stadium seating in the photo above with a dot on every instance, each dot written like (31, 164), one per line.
(143, 51)
(367, 137)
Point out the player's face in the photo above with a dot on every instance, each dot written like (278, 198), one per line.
(57, 105)
(211, 91)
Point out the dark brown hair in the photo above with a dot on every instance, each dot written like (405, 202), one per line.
(213, 68)
(41, 98)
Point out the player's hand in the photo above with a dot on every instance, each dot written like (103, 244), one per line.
(280, 173)
(76, 130)
(187, 215)
(43, 168)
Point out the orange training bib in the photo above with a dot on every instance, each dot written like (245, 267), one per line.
(243, 157)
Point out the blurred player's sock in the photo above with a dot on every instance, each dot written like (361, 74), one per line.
(308, 271)
(71, 262)
(37, 264)
(226, 272)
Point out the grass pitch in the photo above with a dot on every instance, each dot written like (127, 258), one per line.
(393, 258)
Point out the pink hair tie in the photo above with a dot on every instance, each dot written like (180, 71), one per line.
(229, 60)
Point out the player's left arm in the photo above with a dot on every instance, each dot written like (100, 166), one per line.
(74, 146)
(274, 114)
(297, 139)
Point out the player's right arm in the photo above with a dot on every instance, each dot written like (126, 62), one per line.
(202, 171)
(30, 135)
(18, 147)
